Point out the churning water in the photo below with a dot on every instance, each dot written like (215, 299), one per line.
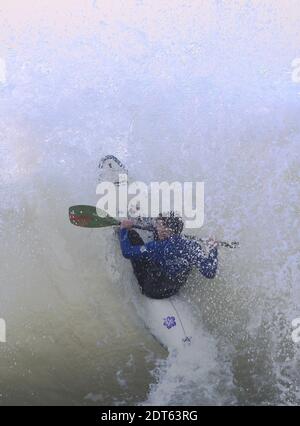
(180, 90)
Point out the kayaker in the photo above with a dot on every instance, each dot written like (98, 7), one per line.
(162, 266)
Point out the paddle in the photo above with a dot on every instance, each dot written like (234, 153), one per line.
(87, 217)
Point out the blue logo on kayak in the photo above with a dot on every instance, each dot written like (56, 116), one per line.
(169, 322)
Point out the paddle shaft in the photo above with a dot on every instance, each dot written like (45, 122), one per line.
(150, 228)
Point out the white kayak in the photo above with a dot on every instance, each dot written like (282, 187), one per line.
(169, 320)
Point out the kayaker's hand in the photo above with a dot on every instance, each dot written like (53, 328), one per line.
(126, 224)
(212, 243)
(209, 245)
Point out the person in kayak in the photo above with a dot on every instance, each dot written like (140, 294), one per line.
(162, 266)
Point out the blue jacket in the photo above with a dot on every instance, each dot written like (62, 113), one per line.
(175, 255)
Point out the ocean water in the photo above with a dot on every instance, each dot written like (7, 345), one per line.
(178, 91)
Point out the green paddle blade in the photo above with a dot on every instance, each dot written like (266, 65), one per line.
(87, 217)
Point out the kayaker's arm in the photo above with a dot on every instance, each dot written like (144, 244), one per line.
(207, 264)
(131, 251)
